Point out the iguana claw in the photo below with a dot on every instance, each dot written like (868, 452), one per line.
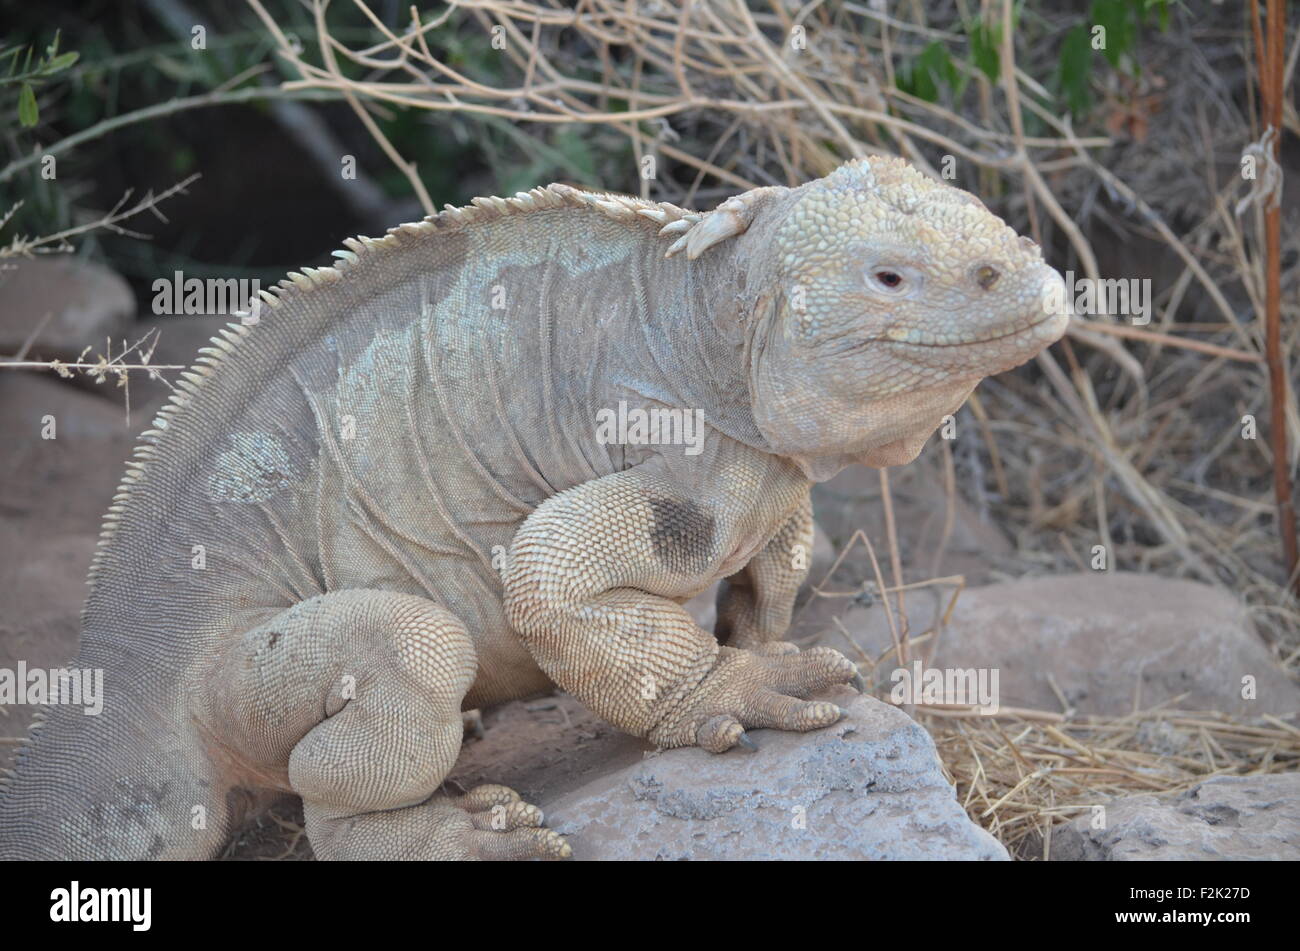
(747, 744)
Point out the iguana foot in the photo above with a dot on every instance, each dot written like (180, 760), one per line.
(503, 826)
(488, 823)
(759, 688)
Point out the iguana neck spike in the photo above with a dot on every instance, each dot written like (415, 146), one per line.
(732, 217)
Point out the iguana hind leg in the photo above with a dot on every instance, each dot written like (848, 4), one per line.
(355, 698)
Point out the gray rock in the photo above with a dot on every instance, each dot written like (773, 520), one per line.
(1228, 817)
(55, 493)
(1111, 642)
(86, 304)
(974, 544)
(869, 787)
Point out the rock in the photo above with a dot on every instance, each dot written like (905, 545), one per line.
(869, 787)
(544, 748)
(975, 548)
(63, 483)
(55, 494)
(1111, 641)
(86, 303)
(851, 501)
(1225, 818)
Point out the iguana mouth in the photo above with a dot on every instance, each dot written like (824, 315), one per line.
(1030, 330)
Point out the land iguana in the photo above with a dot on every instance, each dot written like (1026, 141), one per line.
(402, 505)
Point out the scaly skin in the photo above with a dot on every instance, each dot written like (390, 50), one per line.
(387, 502)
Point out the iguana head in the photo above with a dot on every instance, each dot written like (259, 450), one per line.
(885, 298)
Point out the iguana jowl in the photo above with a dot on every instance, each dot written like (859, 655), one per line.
(352, 468)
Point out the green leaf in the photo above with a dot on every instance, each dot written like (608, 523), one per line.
(577, 154)
(1162, 13)
(1119, 19)
(183, 161)
(1075, 68)
(28, 114)
(932, 68)
(60, 62)
(919, 83)
(985, 46)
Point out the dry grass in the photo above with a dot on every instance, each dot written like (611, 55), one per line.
(1019, 776)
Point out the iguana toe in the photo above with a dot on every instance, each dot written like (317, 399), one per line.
(484, 797)
(801, 673)
(516, 844)
(774, 710)
(720, 733)
(498, 808)
(503, 818)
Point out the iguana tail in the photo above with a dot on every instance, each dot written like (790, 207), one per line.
(121, 786)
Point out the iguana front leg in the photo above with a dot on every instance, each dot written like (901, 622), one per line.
(590, 589)
(755, 604)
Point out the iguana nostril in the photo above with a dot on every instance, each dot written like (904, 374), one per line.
(987, 276)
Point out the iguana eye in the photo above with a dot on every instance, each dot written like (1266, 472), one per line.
(986, 276)
(890, 280)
